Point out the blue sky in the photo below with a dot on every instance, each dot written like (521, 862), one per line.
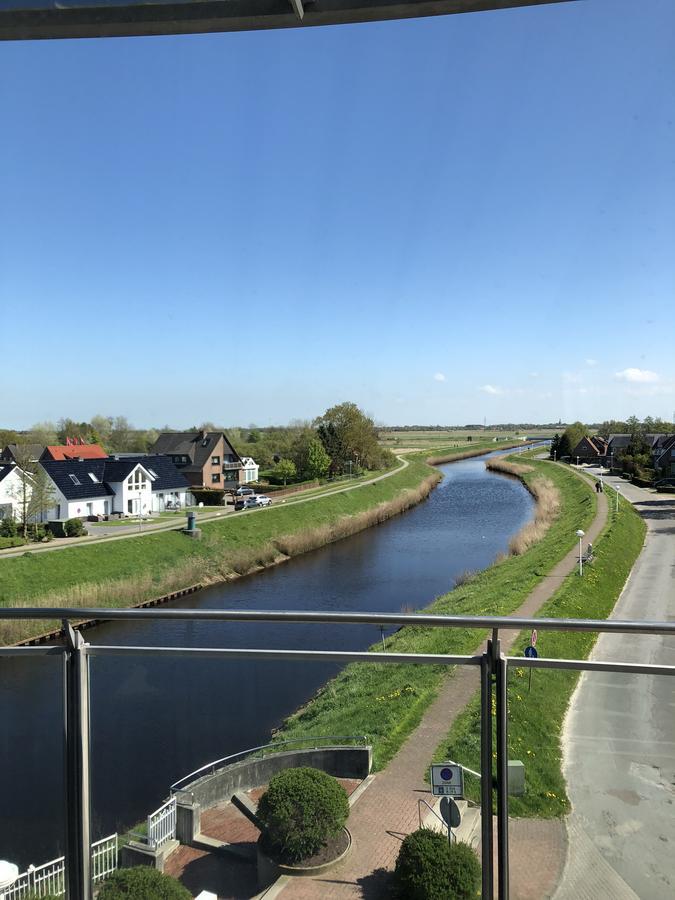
(442, 219)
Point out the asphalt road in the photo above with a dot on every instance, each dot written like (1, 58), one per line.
(619, 738)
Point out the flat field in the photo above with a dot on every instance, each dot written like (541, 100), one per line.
(452, 437)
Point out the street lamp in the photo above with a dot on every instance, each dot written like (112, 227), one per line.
(580, 535)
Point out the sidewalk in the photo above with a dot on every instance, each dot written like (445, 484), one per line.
(387, 811)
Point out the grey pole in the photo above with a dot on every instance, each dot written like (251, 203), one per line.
(487, 890)
(78, 824)
(502, 779)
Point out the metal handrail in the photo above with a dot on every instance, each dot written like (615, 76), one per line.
(362, 739)
(511, 623)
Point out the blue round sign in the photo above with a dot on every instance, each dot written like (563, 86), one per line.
(446, 774)
(531, 651)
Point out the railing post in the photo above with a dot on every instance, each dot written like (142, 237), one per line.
(77, 780)
(486, 773)
(502, 778)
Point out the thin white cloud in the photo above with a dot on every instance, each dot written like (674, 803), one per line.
(637, 376)
(591, 362)
(491, 389)
(571, 377)
(439, 376)
(534, 374)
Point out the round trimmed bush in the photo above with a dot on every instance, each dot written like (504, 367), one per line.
(302, 809)
(74, 528)
(142, 883)
(428, 868)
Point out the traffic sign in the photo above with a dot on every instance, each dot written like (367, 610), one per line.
(447, 780)
(450, 812)
(533, 639)
(531, 652)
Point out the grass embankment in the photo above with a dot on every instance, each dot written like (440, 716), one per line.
(386, 702)
(536, 715)
(127, 572)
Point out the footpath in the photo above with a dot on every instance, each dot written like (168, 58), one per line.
(388, 810)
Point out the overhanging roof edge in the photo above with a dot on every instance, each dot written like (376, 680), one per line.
(225, 15)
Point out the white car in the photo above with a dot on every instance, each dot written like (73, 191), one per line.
(262, 500)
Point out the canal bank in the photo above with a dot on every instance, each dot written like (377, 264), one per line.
(155, 567)
(153, 721)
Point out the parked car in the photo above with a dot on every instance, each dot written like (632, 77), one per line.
(263, 500)
(244, 492)
(665, 484)
(244, 503)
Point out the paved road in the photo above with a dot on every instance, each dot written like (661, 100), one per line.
(619, 739)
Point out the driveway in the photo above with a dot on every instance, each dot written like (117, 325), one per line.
(619, 738)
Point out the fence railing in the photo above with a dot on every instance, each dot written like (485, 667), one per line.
(162, 824)
(50, 877)
(314, 741)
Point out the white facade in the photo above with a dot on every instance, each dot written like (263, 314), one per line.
(171, 499)
(250, 470)
(79, 509)
(11, 494)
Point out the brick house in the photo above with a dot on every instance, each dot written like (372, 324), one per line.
(206, 458)
(590, 450)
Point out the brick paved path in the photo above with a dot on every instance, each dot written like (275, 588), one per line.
(387, 811)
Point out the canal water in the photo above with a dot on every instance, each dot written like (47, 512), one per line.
(154, 721)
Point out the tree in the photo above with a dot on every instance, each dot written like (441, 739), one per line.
(42, 497)
(25, 466)
(555, 447)
(286, 470)
(348, 435)
(42, 433)
(570, 438)
(103, 426)
(318, 461)
(121, 435)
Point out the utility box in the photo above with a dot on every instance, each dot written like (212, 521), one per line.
(516, 777)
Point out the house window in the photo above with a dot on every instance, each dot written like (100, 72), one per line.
(215, 478)
(93, 478)
(74, 479)
(215, 460)
(137, 481)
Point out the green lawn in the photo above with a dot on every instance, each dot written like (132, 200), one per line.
(536, 716)
(387, 702)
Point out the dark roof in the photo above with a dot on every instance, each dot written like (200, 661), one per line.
(5, 470)
(619, 441)
(198, 446)
(168, 477)
(61, 470)
(110, 471)
(35, 451)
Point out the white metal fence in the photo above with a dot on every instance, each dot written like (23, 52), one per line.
(50, 878)
(162, 824)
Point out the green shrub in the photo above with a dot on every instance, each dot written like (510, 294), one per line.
(7, 542)
(8, 527)
(301, 810)
(142, 883)
(428, 868)
(74, 528)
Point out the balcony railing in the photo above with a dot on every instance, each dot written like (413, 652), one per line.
(493, 666)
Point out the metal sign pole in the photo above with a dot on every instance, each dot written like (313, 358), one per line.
(78, 824)
(486, 774)
(502, 780)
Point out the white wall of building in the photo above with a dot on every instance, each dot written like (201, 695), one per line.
(11, 494)
(250, 470)
(171, 499)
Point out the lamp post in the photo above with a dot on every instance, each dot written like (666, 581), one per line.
(616, 492)
(580, 535)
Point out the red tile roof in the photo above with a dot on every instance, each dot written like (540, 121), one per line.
(77, 451)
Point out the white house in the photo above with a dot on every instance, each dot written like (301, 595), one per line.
(128, 486)
(12, 491)
(249, 470)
